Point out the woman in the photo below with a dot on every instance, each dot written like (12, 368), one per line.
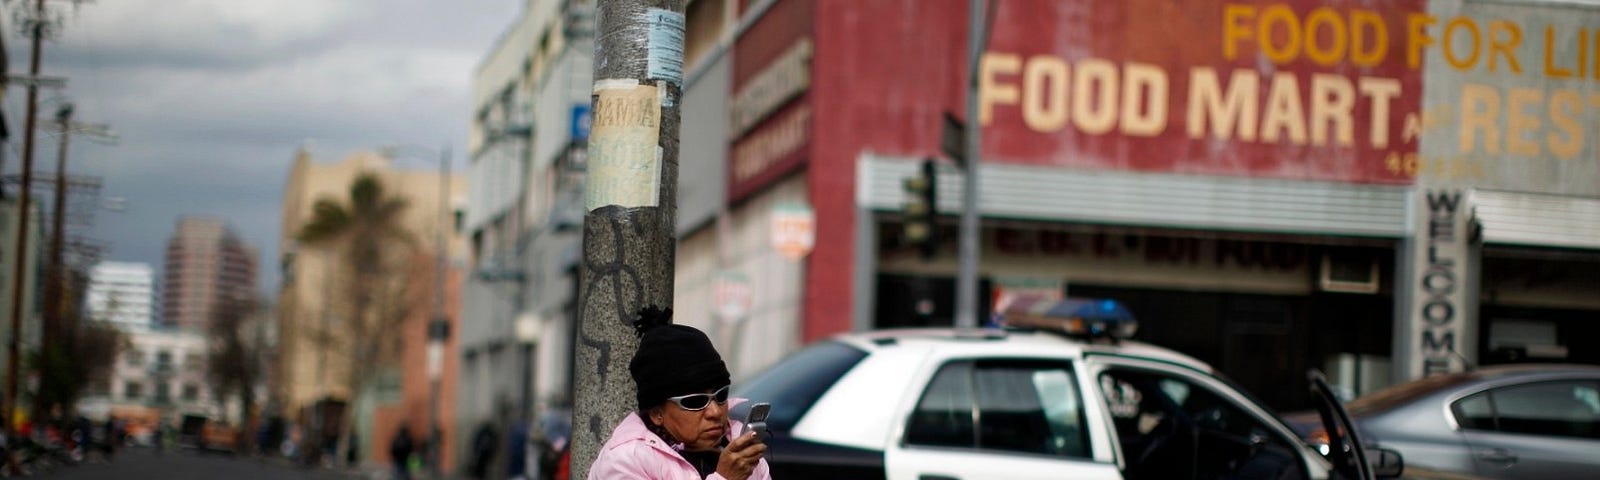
(681, 429)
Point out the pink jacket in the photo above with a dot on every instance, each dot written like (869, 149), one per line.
(634, 452)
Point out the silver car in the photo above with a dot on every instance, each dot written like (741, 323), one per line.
(1509, 422)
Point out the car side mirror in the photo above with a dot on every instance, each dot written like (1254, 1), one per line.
(1386, 463)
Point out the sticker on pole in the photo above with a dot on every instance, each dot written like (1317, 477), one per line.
(666, 45)
(624, 157)
(794, 229)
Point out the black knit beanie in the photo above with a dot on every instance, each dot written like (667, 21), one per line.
(673, 360)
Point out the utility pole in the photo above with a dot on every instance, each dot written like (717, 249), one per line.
(630, 206)
(58, 323)
(55, 277)
(21, 254)
(967, 282)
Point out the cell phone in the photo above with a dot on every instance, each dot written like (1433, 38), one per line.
(756, 421)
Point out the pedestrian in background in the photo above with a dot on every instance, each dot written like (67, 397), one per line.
(109, 446)
(681, 428)
(400, 453)
(483, 444)
(517, 451)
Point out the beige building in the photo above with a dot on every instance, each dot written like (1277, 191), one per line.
(306, 372)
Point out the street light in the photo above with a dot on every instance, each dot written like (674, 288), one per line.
(439, 323)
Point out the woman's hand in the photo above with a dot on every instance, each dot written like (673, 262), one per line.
(740, 457)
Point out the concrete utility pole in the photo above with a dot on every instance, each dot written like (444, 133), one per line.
(36, 31)
(967, 282)
(630, 206)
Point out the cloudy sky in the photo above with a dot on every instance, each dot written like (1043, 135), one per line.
(211, 98)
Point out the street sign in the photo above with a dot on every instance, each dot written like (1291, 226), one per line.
(731, 294)
(581, 121)
(794, 230)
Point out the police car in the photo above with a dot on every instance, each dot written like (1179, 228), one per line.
(1068, 397)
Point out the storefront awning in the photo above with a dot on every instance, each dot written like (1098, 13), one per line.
(1538, 220)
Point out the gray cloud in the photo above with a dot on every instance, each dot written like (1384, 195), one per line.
(211, 99)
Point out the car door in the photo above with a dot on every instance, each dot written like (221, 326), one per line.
(1172, 423)
(998, 419)
(1544, 430)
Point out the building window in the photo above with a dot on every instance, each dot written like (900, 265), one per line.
(191, 392)
(135, 358)
(164, 361)
(132, 390)
(163, 392)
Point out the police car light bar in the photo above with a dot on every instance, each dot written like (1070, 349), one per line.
(1078, 317)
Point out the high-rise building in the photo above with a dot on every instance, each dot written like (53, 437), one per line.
(123, 294)
(206, 264)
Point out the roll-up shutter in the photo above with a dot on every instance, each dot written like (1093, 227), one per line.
(1153, 199)
(1538, 220)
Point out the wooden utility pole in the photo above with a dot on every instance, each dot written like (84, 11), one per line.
(55, 305)
(630, 206)
(19, 257)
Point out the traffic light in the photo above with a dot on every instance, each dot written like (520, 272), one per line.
(921, 208)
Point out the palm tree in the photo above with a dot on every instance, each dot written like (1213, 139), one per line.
(375, 249)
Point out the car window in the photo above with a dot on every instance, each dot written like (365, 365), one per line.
(1475, 412)
(1566, 409)
(1015, 406)
(1171, 427)
(794, 385)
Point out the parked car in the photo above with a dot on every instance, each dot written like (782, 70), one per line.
(1508, 422)
(1016, 404)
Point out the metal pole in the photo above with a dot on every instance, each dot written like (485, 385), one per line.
(967, 283)
(630, 206)
(438, 328)
(20, 256)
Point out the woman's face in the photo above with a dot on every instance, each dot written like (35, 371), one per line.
(697, 429)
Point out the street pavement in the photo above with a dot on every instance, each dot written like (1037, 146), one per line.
(145, 463)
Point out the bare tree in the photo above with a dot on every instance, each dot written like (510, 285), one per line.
(238, 356)
(82, 353)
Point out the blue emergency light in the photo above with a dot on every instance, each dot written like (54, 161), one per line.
(1079, 317)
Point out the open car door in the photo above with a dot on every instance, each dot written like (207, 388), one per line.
(1345, 450)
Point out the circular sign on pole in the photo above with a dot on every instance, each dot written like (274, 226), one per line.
(794, 229)
(730, 295)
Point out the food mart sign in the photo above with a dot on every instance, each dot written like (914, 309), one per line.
(1459, 93)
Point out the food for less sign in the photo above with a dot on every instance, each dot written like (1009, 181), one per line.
(1313, 90)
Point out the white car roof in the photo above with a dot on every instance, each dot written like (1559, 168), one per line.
(988, 340)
